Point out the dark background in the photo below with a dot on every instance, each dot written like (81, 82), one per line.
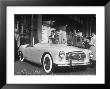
(4, 3)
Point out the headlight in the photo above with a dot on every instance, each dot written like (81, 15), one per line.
(61, 54)
(69, 54)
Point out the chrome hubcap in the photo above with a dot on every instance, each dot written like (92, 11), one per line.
(47, 63)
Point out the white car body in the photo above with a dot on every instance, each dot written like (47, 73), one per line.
(36, 52)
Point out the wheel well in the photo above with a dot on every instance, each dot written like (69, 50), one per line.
(44, 55)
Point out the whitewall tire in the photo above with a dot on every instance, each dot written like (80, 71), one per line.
(47, 63)
(21, 58)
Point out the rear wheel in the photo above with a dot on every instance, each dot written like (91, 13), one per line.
(21, 58)
(48, 63)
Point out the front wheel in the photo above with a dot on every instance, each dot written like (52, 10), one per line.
(48, 63)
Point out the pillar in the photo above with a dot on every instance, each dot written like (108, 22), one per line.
(39, 28)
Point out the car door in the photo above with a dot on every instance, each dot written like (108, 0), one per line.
(34, 53)
(27, 53)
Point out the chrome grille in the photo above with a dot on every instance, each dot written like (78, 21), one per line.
(75, 55)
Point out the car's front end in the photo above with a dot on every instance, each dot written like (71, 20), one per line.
(73, 57)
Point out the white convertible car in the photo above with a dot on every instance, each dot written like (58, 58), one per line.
(51, 55)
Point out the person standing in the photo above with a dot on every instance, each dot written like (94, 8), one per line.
(17, 37)
(17, 43)
(93, 48)
(62, 35)
(93, 39)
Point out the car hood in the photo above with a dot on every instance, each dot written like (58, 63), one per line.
(62, 47)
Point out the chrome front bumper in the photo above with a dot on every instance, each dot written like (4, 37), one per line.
(74, 64)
